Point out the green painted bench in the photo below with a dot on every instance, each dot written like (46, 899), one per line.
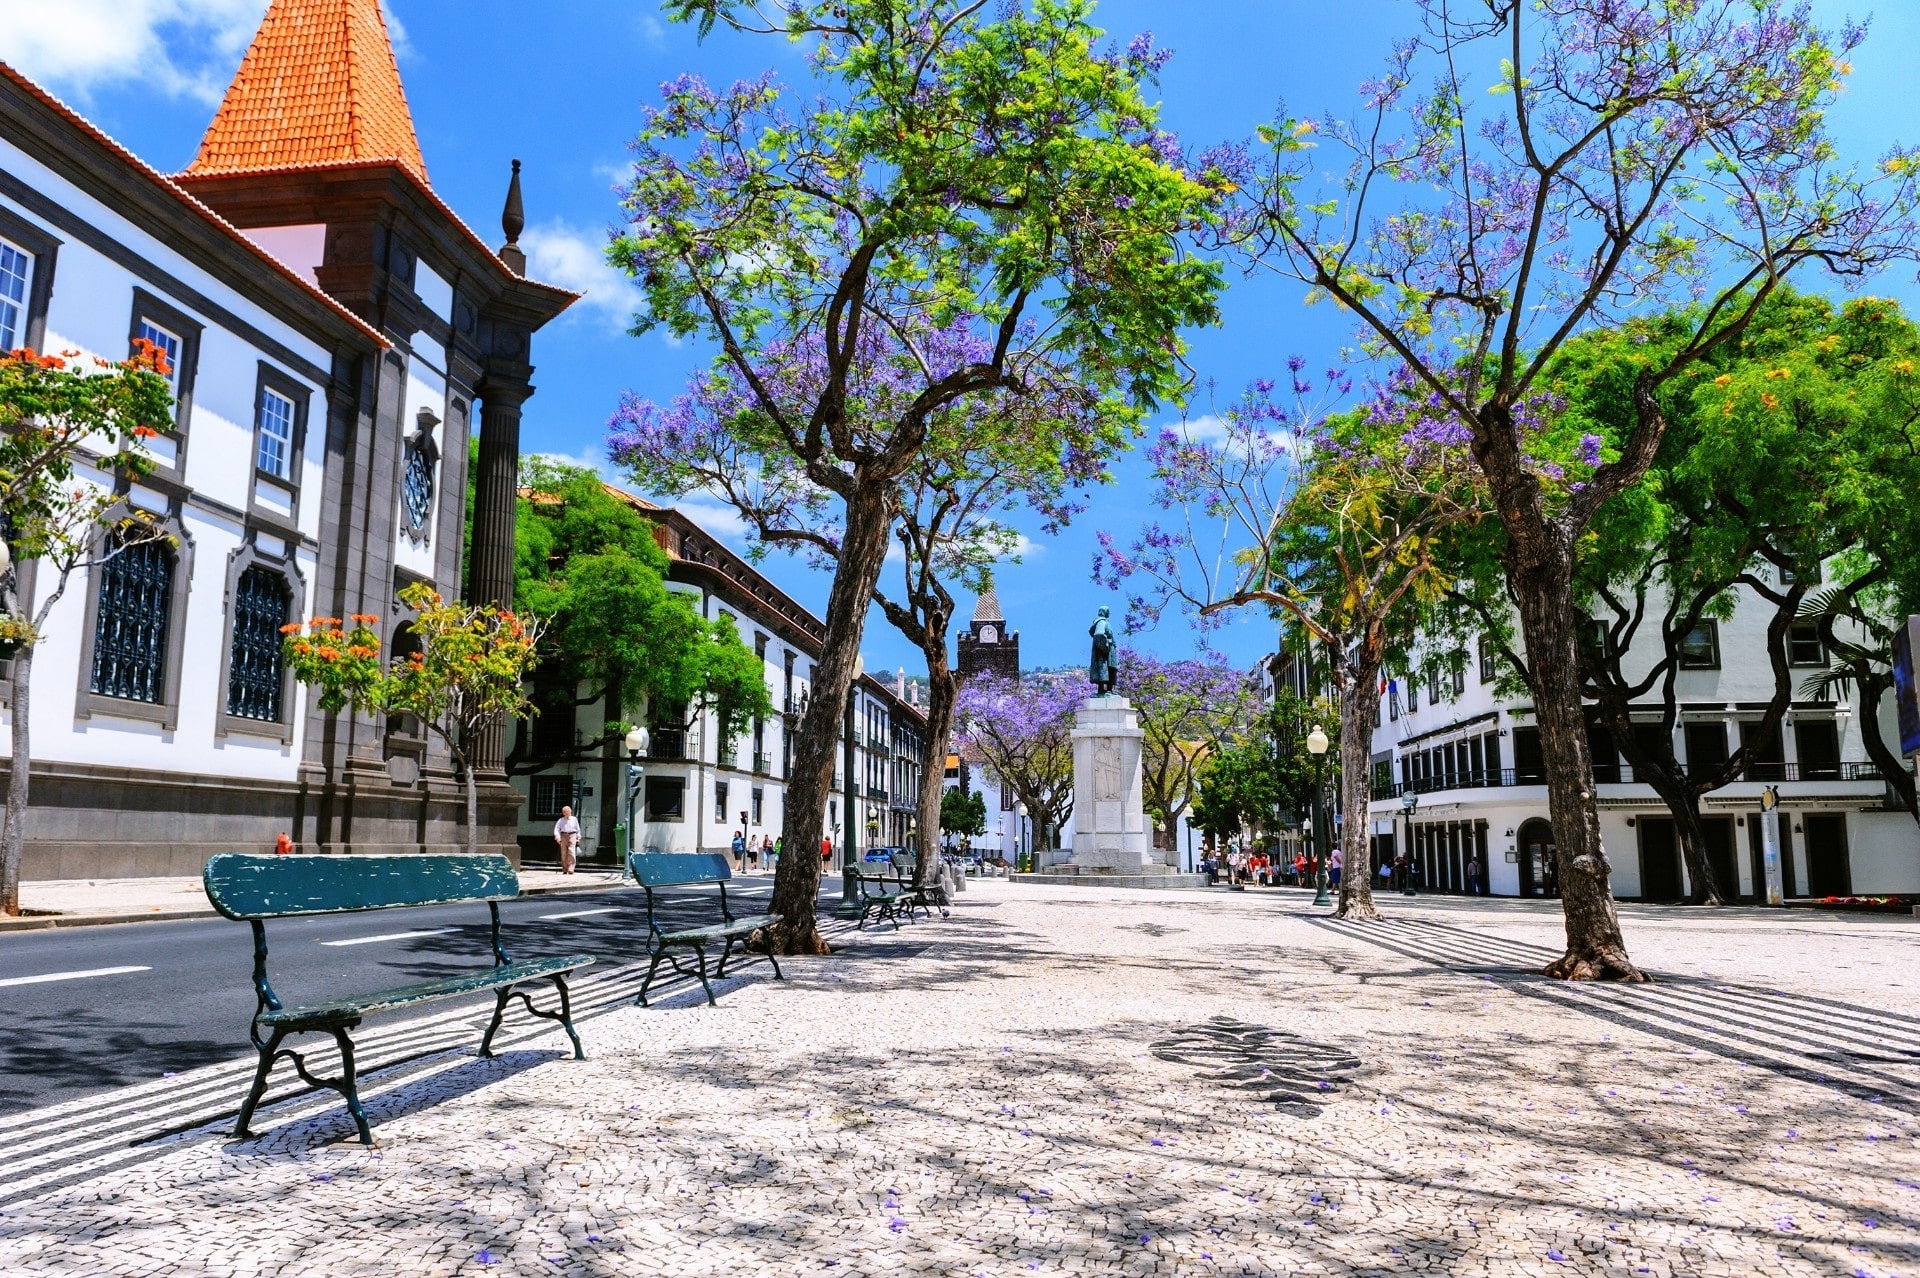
(657, 870)
(884, 892)
(253, 889)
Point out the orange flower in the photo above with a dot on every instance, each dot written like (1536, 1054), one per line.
(329, 653)
(291, 628)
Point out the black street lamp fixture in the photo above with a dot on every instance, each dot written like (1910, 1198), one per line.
(1317, 747)
(638, 742)
(1410, 803)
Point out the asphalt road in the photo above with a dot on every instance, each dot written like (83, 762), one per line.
(186, 995)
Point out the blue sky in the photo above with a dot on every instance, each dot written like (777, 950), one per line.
(560, 85)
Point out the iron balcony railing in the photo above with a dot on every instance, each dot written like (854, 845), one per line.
(667, 743)
(763, 763)
(1620, 774)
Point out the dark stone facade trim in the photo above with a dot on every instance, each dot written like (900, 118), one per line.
(46, 254)
(166, 712)
(225, 723)
(158, 311)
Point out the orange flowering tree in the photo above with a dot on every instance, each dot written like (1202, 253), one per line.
(469, 670)
(70, 432)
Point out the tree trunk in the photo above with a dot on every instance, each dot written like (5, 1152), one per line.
(796, 886)
(1543, 594)
(13, 843)
(941, 695)
(473, 807)
(613, 786)
(1357, 710)
(1669, 781)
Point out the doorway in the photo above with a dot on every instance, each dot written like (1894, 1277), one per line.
(1660, 878)
(1828, 871)
(1537, 859)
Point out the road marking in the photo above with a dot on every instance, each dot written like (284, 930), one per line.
(71, 976)
(392, 936)
(581, 914)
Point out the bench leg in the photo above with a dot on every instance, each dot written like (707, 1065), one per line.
(347, 1087)
(566, 1015)
(726, 953)
(700, 957)
(267, 1054)
(652, 967)
(493, 1027)
(776, 964)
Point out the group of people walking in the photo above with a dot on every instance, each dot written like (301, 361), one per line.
(748, 854)
(1266, 867)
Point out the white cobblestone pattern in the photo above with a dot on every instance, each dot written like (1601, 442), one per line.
(984, 1097)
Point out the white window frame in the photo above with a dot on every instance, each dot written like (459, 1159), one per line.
(13, 327)
(282, 439)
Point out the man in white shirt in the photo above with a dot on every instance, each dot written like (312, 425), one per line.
(566, 832)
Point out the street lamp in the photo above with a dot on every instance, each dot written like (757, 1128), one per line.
(1317, 747)
(1410, 803)
(849, 906)
(638, 742)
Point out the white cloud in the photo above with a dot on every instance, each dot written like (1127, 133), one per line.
(175, 48)
(561, 254)
(652, 34)
(181, 48)
(714, 515)
(595, 462)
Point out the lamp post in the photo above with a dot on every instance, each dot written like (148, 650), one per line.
(638, 743)
(849, 906)
(1409, 803)
(1317, 747)
(1770, 843)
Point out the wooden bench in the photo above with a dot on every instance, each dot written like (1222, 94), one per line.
(253, 889)
(656, 870)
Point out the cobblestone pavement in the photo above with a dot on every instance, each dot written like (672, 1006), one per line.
(1078, 1081)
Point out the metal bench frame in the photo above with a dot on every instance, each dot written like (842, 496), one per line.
(683, 869)
(503, 978)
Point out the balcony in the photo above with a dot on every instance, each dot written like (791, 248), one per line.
(877, 792)
(763, 764)
(667, 743)
(1622, 774)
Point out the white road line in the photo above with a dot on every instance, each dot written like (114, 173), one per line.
(581, 914)
(392, 936)
(71, 976)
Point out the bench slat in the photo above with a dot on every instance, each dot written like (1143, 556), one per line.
(246, 886)
(489, 978)
(738, 927)
(672, 869)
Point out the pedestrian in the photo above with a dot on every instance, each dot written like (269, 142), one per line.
(766, 851)
(1473, 876)
(283, 846)
(773, 857)
(1386, 874)
(826, 850)
(1333, 868)
(566, 833)
(739, 851)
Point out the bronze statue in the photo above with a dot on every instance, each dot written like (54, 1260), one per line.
(1102, 669)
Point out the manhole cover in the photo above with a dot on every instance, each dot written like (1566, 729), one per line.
(1298, 1076)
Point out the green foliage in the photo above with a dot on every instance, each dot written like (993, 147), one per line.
(1262, 772)
(963, 814)
(587, 565)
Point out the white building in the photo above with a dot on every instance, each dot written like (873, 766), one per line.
(1471, 759)
(697, 789)
(334, 332)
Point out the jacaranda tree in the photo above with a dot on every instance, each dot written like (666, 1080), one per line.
(1332, 521)
(963, 204)
(1021, 732)
(1189, 710)
(1524, 170)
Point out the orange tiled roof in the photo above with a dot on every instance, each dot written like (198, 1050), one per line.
(318, 85)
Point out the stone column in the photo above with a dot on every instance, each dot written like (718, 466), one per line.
(496, 489)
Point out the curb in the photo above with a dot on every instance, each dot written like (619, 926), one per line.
(42, 922)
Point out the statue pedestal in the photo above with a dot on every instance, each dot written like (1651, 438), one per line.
(1110, 830)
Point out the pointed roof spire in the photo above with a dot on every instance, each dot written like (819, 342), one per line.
(513, 219)
(318, 86)
(988, 606)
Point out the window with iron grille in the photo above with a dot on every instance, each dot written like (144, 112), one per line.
(255, 673)
(418, 486)
(16, 268)
(275, 429)
(169, 344)
(550, 794)
(130, 633)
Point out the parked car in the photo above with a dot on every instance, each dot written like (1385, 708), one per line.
(881, 856)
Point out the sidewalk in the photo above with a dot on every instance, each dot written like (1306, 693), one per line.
(87, 902)
(1090, 1082)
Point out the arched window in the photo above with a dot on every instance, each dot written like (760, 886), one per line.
(130, 632)
(256, 673)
